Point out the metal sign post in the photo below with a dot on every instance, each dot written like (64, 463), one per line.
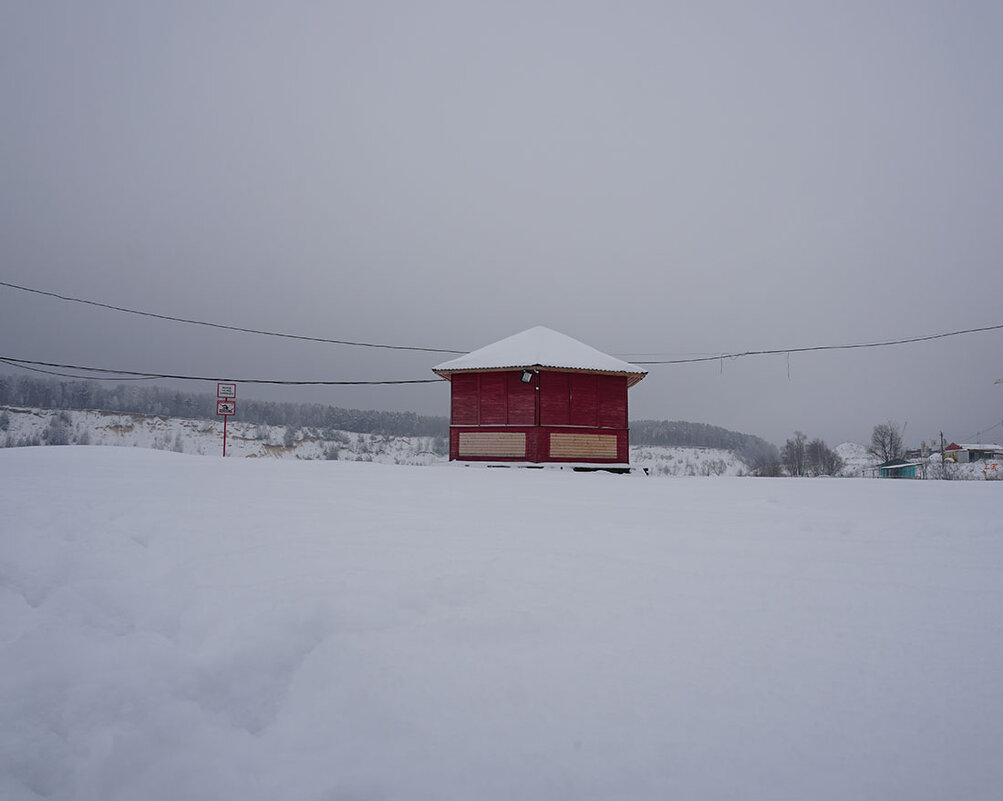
(226, 404)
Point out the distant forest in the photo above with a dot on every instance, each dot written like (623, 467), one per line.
(750, 449)
(51, 393)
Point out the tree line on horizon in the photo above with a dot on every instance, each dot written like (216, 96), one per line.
(52, 393)
(49, 393)
(749, 448)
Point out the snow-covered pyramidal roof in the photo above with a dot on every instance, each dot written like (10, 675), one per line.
(540, 347)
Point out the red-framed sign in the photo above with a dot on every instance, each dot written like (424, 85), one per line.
(226, 405)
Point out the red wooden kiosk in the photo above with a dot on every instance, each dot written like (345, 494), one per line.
(537, 397)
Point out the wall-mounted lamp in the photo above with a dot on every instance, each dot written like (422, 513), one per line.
(527, 376)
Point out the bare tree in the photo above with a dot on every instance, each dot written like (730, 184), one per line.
(767, 464)
(886, 441)
(795, 455)
(821, 461)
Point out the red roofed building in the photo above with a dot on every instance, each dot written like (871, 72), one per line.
(539, 396)
(965, 453)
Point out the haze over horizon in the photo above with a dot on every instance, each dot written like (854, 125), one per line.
(656, 181)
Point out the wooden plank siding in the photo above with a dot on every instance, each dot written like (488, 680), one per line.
(496, 398)
(521, 400)
(612, 401)
(496, 444)
(555, 393)
(582, 446)
(463, 403)
(493, 399)
(583, 400)
(539, 444)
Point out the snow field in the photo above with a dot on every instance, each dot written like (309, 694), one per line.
(175, 627)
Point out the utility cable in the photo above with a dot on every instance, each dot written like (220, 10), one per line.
(777, 351)
(978, 434)
(145, 375)
(691, 360)
(78, 377)
(226, 327)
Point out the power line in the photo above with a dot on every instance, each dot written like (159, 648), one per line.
(223, 326)
(981, 431)
(71, 375)
(690, 360)
(777, 351)
(147, 375)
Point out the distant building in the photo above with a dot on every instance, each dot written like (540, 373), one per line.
(965, 453)
(539, 396)
(900, 468)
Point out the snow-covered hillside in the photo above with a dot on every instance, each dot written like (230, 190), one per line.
(205, 437)
(856, 458)
(174, 627)
(663, 461)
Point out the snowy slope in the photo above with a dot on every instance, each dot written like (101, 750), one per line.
(856, 458)
(205, 437)
(660, 460)
(174, 627)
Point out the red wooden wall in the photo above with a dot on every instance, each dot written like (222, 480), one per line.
(500, 398)
(582, 399)
(566, 399)
(500, 401)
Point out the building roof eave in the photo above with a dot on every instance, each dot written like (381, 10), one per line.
(632, 378)
(540, 348)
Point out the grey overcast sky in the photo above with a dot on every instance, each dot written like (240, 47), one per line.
(655, 179)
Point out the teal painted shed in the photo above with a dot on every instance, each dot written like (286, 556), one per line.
(899, 468)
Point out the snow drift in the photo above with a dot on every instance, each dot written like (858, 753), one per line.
(174, 627)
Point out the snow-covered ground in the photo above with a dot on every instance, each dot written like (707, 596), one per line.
(174, 627)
